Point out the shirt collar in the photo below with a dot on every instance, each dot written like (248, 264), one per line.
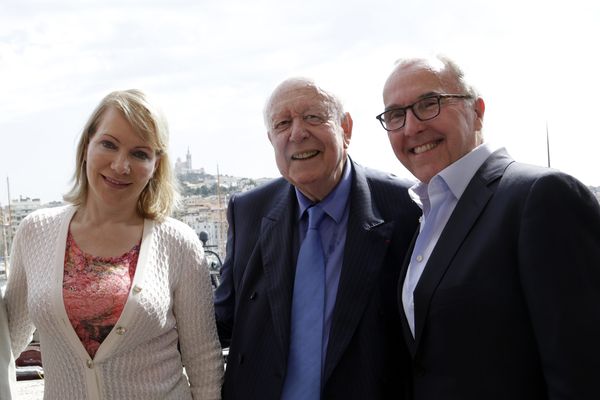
(455, 177)
(335, 202)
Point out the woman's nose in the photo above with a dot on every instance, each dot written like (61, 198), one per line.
(121, 165)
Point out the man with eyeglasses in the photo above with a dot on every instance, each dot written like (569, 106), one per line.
(349, 347)
(500, 296)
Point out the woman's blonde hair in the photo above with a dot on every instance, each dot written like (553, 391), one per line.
(160, 195)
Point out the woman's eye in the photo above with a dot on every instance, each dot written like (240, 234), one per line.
(108, 144)
(142, 155)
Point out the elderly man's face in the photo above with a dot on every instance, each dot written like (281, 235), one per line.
(427, 147)
(309, 140)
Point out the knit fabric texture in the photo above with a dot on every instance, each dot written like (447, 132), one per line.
(170, 303)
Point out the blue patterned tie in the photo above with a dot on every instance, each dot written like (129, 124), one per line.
(303, 378)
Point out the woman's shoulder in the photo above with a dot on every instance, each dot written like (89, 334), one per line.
(45, 216)
(42, 223)
(173, 229)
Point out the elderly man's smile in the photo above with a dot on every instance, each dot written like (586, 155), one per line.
(305, 155)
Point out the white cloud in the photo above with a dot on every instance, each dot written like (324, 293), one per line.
(212, 64)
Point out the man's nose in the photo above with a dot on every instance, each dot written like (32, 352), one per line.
(298, 130)
(412, 124)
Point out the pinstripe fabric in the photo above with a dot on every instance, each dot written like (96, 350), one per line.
(365, 358)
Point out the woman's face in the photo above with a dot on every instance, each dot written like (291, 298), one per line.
(119, 163)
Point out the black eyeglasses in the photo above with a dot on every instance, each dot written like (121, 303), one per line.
(424, 109)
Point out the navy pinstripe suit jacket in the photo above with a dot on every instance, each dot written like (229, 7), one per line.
(366, 356)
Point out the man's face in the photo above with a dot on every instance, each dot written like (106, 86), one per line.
(309, 140)
(427, 147)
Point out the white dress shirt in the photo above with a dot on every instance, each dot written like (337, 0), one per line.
(437, 200)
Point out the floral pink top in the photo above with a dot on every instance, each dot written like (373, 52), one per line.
(95, 290)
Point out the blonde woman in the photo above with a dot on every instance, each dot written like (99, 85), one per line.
(112, 284)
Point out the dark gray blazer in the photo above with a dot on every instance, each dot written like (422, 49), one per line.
(366, 357)
(508, 306)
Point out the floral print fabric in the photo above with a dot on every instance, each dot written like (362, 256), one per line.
(95, 290)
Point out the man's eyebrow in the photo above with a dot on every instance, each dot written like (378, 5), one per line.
(421, 97)
(278, 115)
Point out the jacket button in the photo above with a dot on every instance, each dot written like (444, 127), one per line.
(253, 296)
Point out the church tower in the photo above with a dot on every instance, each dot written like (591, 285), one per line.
(188, 160)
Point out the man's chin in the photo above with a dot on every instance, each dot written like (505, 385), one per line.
(424, 174)
(314, 189)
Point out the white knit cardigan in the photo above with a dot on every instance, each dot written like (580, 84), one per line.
(7, 363)
(170, 302)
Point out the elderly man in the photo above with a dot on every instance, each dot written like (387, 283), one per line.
(7, 363)
(501, 295)
(312, 313)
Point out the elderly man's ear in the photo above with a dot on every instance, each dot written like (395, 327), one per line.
(347, 128)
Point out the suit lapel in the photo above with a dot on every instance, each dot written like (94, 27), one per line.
(405, 327)
(367, 239)
(276, 240)
(467, 211)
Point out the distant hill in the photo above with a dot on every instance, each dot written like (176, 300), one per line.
(199, 183)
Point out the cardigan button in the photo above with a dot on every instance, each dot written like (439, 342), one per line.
(89, 363)
(137, 289)
(121, 330)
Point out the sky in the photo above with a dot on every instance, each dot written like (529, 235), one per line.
(211, 65)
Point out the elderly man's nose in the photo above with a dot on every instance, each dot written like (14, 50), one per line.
(298, 130)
